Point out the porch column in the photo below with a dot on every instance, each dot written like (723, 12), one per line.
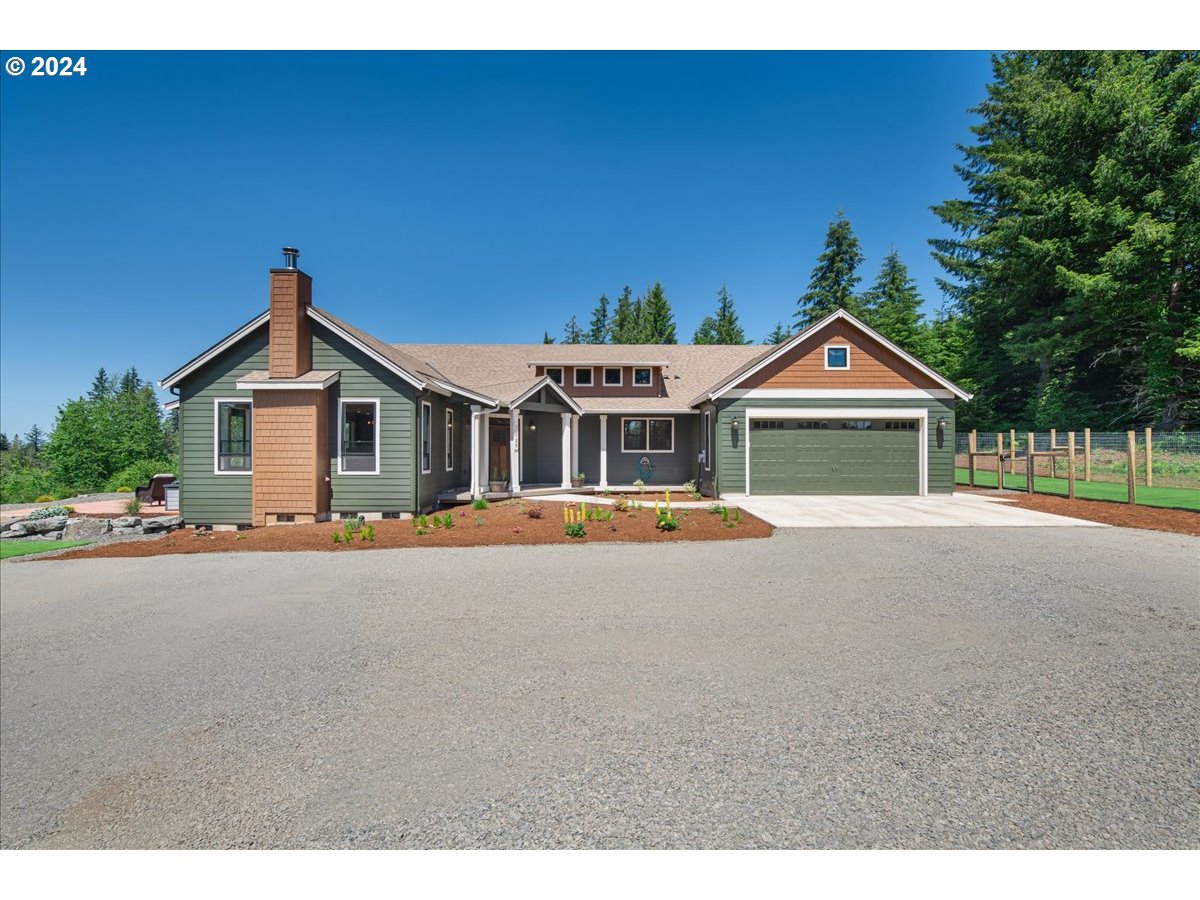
(473, 472)
(566, 450)
(574, 446)
(514, 450)
(604, 451)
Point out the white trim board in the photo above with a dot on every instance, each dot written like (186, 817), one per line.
(289, 384)
(241, 401)
(342, 401)
(547, 381)
(849, 412)
(839, 394)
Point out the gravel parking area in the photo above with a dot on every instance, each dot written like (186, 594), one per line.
(978, 687)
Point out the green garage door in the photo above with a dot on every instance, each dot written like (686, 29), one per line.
(834, 456)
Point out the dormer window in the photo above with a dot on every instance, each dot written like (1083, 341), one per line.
(555, 375)
(642, 377)
(612, 376)
(583, 377)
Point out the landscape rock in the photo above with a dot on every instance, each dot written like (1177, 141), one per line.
(127, 522)
(125, 530)
(14, 530)
(41, 526)
(86, 529)
(160, 524)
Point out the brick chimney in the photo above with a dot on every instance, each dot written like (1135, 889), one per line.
(290, 353)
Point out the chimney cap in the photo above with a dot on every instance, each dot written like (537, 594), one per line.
(290, 255)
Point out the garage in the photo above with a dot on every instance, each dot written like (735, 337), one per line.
(873, 456)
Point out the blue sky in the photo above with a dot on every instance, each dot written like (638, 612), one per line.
(446, 197)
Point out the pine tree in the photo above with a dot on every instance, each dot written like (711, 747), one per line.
(778, 335)
(657, 318)
(893, 306)
(3, 442)
(546, 339)
(728, 329)
(35, 438)
(102, 385)
(637, 334)
(130, 381)
(598, 333)
(624, 321)
(572, 334)
(706, 331)
(834, 277)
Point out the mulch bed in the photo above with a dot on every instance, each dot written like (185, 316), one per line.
(1179, 521)
(501, 523)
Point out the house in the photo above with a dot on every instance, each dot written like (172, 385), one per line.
(298, 416)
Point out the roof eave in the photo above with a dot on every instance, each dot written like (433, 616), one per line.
(216, 349)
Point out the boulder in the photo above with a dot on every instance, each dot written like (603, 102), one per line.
(161, 524)
(14, 530)
(41, 526)
(125, 530)
(127, 522)
(86, 529)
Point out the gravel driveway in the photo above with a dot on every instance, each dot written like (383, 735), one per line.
(857, 688)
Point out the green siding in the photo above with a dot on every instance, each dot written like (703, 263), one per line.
(731, 455)
(204, 497)
(394, 488)
(438, 479)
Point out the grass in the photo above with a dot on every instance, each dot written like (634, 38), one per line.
(1177, 498)
(24, 548)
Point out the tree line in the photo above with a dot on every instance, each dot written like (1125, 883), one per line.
(114, 436)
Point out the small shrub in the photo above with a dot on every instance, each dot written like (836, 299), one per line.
(124, 489)
(448, 520)
(337, 536)
(535, 511)
(437, 521)
(724, 514)
(667, 521)
(640, 485)
(480, 503)
(575, 530)
(45, 498)
(480, 521)
(718, 509)
(133, 506)
(368, 533)
(620, 504)
(354, 523)
(49, 512)
(689, 488)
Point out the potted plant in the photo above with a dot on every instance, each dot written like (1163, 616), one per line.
(499, 480)
(577, 481)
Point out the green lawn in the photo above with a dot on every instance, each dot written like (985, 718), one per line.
(1181, 498)
(23, 548)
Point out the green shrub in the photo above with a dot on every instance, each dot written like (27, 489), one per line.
(368, 533)
(337, 536)
(718, 509)
(575, 530)
(139, 474)
(124, 489)
(667, 521)
(49, 512)
(44, 498)
(21, 483)
(480, 503)
(620, 504)
(133, 506)
(448, 520)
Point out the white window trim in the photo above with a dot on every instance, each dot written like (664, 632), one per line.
(829, 347)
(449, 429)
(708, 440)
(342, 401)
(648, 369)
(557, 369)
(648, 420)
(620, 382)
(217, 401)
(575, 376)
(425, 404)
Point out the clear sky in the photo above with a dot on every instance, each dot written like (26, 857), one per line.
(446, 197)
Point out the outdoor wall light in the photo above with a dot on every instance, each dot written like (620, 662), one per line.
(734, 425)
(533, 426)
(941, 423)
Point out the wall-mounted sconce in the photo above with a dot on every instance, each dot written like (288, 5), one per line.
(734, 425)
(533, 426)
(941, 423)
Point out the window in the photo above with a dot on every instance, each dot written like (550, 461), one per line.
(612, 377)
(902, 425)
(837, 356)
(767, 424)
(641, 377)
(583, 377)
(232, 435)
(812, 425)
(857, 424)
(426, 437)
(647, 435)
(358, 447)
(706, 441)
(555, 375)
(449, 440)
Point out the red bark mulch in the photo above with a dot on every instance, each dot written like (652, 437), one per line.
(501, 523)
(1178, 521)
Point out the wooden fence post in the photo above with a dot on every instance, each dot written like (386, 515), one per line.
(1087, 454)
(1012, 451)
(1053, 446)
(1070, 465)
(1131, 465)
(971, 458)
(999, 460)
(1149, 458)
(1029, 465)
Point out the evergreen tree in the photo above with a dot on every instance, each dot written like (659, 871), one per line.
(638, 333)
(598, 333)
(35, 439)
(624, 320)
(130, 382)
(706, 331)
(778, 335)
(834, 278)
(546, 339)
(658, 321)
(572, 334)
(4, 445)
(728, 329)
(102, 385)
(893, 306)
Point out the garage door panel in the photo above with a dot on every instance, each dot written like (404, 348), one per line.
(786, 458)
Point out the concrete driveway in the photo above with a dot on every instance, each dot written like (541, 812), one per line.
(970, 687)
(940, 511)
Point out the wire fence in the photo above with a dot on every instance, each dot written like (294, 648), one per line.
(1175, 456)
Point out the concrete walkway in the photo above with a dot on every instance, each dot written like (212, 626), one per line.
(942, 511)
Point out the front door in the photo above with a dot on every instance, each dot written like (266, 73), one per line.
(498, 433)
